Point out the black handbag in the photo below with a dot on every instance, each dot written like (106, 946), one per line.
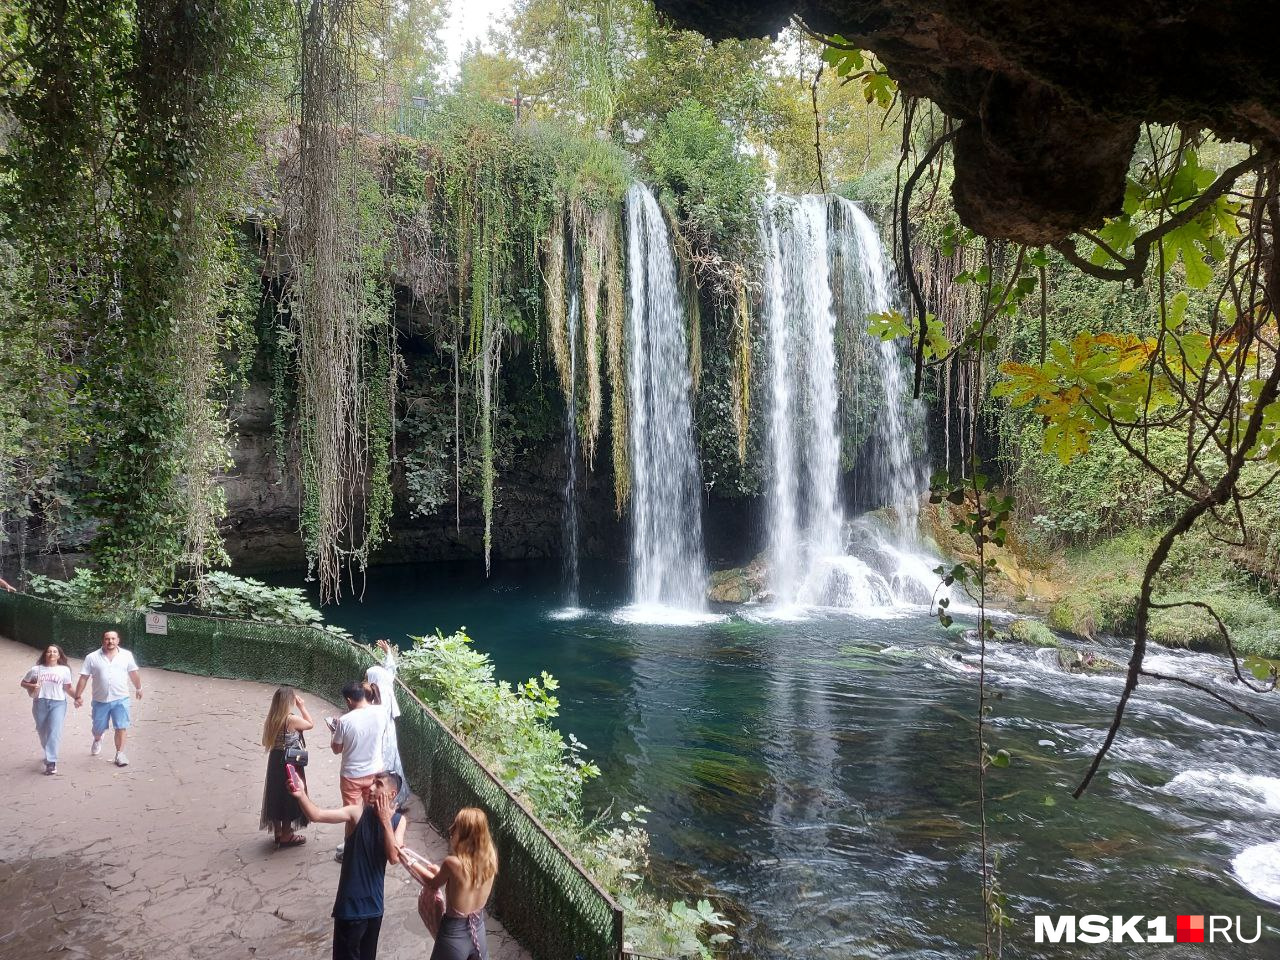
(297, 755)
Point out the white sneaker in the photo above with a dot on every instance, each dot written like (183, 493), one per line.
(121, 760)
(96, 748)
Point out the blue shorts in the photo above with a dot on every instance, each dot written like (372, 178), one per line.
(115, 711)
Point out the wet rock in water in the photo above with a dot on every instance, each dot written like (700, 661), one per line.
(739, 584)
(950, 658)
(1077, 661)
(1032, 633)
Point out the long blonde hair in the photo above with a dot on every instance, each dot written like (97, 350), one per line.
(281, 707)
(471, 844)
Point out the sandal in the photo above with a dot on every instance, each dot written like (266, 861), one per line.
(296, 840)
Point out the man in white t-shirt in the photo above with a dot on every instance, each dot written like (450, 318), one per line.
(113, 670)
(357, 737)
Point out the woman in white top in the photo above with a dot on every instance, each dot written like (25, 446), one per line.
(380, 681)
(49, 683)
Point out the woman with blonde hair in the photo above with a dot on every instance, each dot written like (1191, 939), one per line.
(282, 734)
(456, 919)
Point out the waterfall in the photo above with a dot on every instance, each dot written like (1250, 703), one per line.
(804, 445)
(867, 286)
(569, 524)
(668, 564)
(824, 272)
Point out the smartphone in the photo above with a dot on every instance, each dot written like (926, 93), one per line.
(291, 772)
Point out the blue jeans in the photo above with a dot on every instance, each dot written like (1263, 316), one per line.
(49, 715)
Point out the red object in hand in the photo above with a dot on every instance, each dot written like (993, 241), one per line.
(295, 782)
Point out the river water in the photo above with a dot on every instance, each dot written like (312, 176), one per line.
(817, 771)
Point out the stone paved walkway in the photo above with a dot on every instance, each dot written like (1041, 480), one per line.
(164, 859)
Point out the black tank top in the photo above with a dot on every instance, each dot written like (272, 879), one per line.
(364, 867)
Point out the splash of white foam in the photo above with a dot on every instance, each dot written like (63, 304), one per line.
(568, 613)
(1257, 869)
(659, 615)
(1228, 788)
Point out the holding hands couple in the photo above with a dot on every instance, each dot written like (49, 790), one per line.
(114, 673)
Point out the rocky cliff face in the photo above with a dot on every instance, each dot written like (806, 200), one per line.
(1049, 98)
(261, 528)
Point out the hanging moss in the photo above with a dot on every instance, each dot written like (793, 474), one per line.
(553, 285)
(508, 196)
(742, 381)
(590, 231)
(615, 348)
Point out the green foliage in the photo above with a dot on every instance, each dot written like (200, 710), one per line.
(496, 187)
(1033, 633)
(732, 463)
(1102, 583)
(509, 726)
(217, 594)
(221, 594)
(84, 590)
(414, 46)
(695, 157)
(133, 126)
(892, 325)
(1164, 191)
(1096, 495)
(851, 64)
(428, 427)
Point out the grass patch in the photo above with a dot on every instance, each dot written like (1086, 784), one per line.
(1101, 584)
(1033, 633)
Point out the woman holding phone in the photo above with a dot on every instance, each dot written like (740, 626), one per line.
(282, 733)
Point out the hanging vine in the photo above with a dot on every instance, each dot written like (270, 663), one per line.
(593, 228)
(339, 300)
(615, 349)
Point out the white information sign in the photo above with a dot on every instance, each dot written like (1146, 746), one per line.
(157, 623)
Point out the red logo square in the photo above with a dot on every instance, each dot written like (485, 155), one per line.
(1190, 929)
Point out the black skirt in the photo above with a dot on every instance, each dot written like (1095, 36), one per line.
(279, 806)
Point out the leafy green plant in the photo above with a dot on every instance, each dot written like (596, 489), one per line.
(715, 188)
(84, 589)
(217, 593)
(222, 594)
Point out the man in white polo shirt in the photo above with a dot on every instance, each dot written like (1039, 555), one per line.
(113, 670)
(358, 736)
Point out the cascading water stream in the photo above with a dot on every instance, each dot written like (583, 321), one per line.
(817, 246)
(804, 446)
(867, 286)
(668, 563)
(569, 561)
